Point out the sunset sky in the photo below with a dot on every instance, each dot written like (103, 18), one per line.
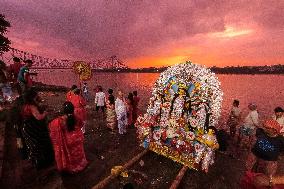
(146, 33)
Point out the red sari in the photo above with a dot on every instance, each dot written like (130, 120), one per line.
(69, 95)
(68, 146)
(79, 104)
(247, 182)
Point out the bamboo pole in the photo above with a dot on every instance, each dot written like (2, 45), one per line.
(179, 177)
(107, 180)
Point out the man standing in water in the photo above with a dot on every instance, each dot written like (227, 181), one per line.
(24, 78)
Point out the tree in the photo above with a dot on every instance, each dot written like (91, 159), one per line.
(4, 41)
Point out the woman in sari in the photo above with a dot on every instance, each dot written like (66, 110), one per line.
(71, 92)
(129, 109)
(136, 100)
(35, 131)
(110, 113)
(68, 140)
(79, 104)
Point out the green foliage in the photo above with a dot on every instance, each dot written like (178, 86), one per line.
(4, 41)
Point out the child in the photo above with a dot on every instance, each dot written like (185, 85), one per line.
(85, 92)
(100, 99)
(121, 113)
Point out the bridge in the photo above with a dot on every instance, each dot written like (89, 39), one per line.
(39, 62)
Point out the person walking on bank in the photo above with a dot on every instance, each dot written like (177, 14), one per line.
(24, 76)
(129, 109)
(79, 104)
(234, 118)
(279, 117)
(121, 113)
(35, 131)
(68, 141)
(110, 112)
(263, 158)
(85, 90)
(14, 70)
(100, 99)
(71, 92)
(248, 129)
(136, 100)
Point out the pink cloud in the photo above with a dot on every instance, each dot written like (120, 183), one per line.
(154, 29)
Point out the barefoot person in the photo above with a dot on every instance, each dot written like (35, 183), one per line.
(100, 99)
(248, 129)
(35, 131)
(129, 109)
(263, 159)
(110, 111)
(234, 119)
(68, 140)
(24, 76)
(121, 113)
(136, 100)
(14, 70)
(71, 92)
(85, 90)
(279, 117)
(79, 104)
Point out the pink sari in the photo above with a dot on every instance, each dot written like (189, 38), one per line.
(68, 146)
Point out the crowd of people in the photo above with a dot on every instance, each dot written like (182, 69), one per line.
(120, 112)
(62, 139)
(16, 75)
(264, 141)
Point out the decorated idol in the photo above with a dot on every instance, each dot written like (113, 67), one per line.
(181, 115)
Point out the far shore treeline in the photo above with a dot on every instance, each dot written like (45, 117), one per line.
(274, 69)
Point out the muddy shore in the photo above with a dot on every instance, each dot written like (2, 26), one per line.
(104, 151)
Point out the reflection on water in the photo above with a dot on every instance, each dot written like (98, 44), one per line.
(265, 90)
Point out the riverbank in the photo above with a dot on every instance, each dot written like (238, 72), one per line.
(104, 151)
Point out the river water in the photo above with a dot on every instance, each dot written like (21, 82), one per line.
(267, 91)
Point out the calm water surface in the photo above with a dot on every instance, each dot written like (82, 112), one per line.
(267, 91)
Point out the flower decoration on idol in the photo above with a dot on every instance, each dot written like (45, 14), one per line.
(185, 103)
